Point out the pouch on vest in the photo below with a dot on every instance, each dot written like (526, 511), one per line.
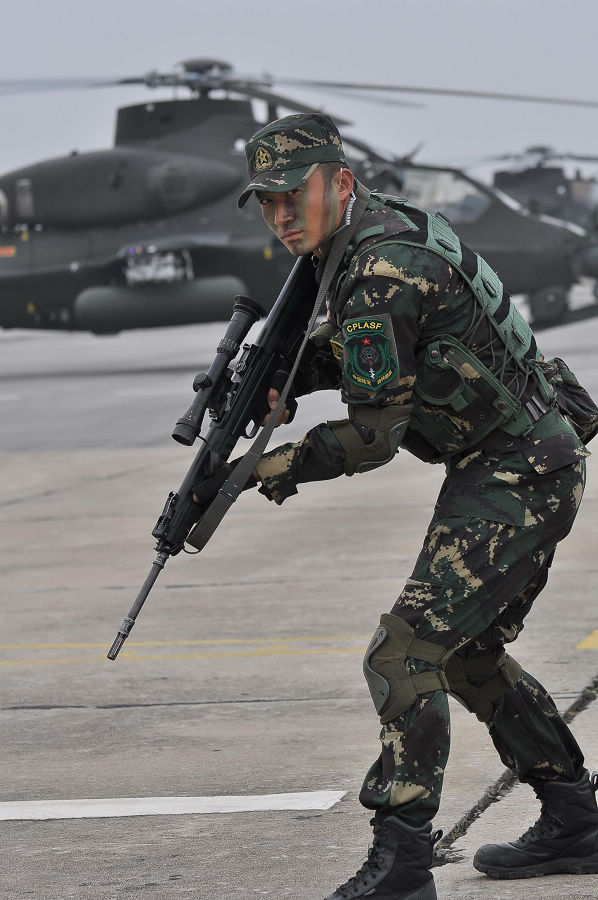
(572, 399)
(459, 400)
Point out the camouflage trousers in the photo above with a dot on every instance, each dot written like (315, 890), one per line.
(484, 560)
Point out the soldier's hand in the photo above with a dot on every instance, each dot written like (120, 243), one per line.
(206, 489)
(283, 417)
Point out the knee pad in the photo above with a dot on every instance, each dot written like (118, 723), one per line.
(501, 671)
(392, 688)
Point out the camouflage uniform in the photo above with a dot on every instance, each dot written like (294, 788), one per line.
(507, 500)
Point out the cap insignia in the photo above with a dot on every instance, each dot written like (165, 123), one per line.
(262, 159)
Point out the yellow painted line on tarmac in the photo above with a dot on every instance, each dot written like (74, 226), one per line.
(48, 662)
(589, 643)
(256, 647)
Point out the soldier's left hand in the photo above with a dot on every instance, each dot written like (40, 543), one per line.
(283, 417)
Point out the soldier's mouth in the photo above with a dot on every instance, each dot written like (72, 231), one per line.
(291, 235)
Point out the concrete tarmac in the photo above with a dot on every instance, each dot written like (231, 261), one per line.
(243, 673)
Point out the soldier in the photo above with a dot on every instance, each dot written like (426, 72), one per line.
(430, 355)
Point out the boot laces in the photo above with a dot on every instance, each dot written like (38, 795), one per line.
(372, 864)
(545, 827)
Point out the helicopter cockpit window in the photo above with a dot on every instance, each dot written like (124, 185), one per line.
(24, 200)
(446, 192)
(3, 210)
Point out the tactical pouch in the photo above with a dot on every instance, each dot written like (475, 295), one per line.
(460, 400)
(572, 399)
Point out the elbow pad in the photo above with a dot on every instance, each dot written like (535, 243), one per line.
(371, 435)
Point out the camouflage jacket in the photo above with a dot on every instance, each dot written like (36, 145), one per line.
(388, 303)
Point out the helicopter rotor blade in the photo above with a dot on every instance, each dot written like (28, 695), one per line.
(195, 81)
(575, 156)
(381, 101)
(39, 85)
(249, 90)
(207, 75)
(192, 80)
(441, 92)
(535, 156)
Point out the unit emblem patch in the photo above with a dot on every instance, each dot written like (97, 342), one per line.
(369, 360)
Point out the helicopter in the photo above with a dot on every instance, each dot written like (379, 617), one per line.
(557, 185)
(538, 255)
(147, 233)
(564, 185)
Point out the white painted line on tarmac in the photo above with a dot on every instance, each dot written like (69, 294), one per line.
(164, 806)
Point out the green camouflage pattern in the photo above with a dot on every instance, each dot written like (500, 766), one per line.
(473, 584)
(281, 156)
(422, 297)
(506, 502)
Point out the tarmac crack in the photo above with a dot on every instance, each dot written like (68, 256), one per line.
(51, 492)
(444, 852)
(197, 586)
(42, 707)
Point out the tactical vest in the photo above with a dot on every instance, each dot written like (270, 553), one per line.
(458, 400)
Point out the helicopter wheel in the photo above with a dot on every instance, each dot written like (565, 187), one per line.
(548, 306)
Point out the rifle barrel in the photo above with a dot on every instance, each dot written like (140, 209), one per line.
(124, 630)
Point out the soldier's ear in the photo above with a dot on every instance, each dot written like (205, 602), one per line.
(345, 183)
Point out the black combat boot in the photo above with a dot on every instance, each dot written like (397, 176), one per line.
(398, 864)
(564, 839)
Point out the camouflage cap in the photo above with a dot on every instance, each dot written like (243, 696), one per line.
(282, 155)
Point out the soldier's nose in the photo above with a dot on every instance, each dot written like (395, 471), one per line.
(284, 212)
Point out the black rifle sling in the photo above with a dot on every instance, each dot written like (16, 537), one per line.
(233, 486)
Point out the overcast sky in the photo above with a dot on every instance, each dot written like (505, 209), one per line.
(529, 46)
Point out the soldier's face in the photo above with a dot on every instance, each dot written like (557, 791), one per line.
(304, 219)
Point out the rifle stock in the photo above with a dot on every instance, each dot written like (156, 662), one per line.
(234, 400)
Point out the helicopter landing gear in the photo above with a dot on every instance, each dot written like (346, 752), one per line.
(548, 306)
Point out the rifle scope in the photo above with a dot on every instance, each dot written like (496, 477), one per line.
(246, 312)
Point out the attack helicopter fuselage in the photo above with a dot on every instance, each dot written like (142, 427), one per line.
(147, 233)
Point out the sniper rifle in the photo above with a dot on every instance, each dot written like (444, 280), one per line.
(234, 399)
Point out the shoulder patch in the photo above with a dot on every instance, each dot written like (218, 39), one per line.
(369, 352)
